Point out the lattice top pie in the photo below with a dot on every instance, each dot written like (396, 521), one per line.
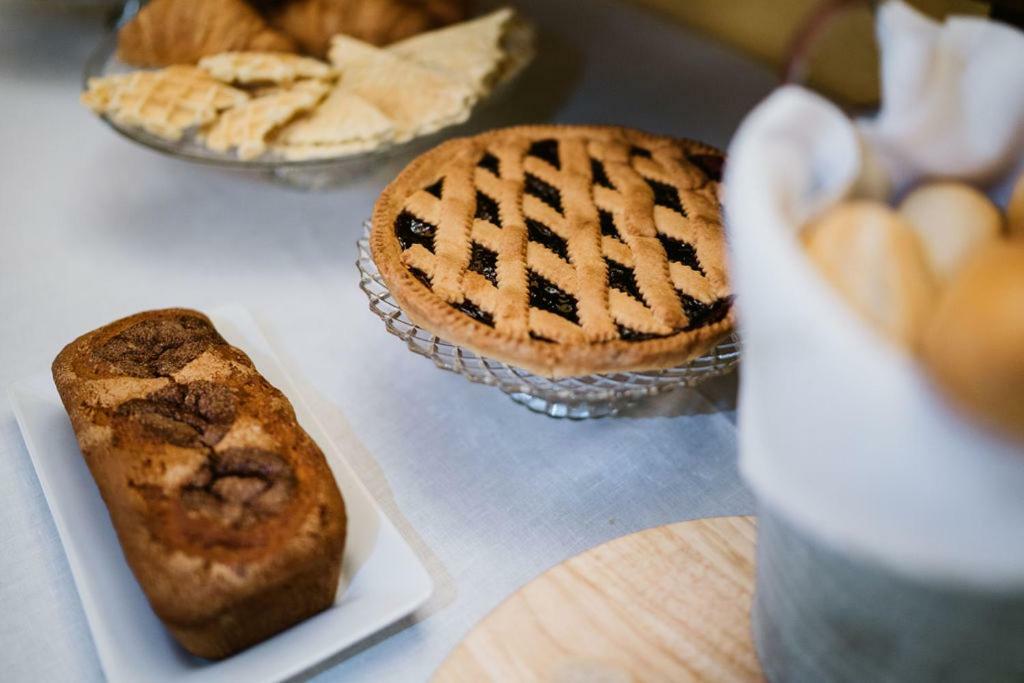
(563, 250)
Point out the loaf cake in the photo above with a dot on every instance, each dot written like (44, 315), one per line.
(226, 510)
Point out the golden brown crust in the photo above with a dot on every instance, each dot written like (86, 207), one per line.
(166, 32)
(874, 258)
(312, 23)
(594, 342)
(973, 342)
(1015, 209)
(226, 510)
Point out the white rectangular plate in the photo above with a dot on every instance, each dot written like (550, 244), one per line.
(382, 579)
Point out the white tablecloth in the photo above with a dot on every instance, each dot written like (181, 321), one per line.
(93, 228)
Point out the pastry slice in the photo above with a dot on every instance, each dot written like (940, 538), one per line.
(343, 121)
(263, 67)
(247, 127)
(165, 103)
(482, 51)
(168, 32)
(417, 99)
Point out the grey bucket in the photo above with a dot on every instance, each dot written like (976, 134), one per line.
(823, 616)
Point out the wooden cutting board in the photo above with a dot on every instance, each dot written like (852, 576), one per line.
(666, 604)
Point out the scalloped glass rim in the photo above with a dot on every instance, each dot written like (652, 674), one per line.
(103, 62)
(584, 396)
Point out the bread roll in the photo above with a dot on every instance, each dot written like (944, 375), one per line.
(227, 512)
(166, 32)
(952, 220)
(875, 260)
(974, 345)
(1015, 209)
(312, 23)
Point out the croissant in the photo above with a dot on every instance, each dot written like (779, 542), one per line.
(182, 31)
(380, 22)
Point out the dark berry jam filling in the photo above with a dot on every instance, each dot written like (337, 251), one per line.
(681, 252)
(608, 224)
(484, 262)
(542, 234)
(491, 163)
(623, 279)
(631, 335)
(548, 194)
(436, 189)
(411, 230)
(666, 195)
(475, 312)
(487, 209)
(599, 174)
(548, 296)
(701, 314)
(546, 150)
(710, 164)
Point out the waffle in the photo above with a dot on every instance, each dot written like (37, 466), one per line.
(264, 67)
(246, 128)
(165, 103)
(561, 250)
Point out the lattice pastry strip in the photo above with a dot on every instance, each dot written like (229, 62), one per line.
(556, 267)
(535, 209)
(540, 260)
(551, 266)
(686, 279)
(483, 295)
(426, 207)
(667, 168)
(632, 314)
(617, 250)
(698, 230)
(513, 316)
(452, 243)
(625, 309)
(635, 221)
(580, 229)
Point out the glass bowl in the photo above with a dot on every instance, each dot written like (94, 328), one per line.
(310, 174)
(588, 396)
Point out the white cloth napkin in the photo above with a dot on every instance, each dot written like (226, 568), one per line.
(952, 96)
(839, 430)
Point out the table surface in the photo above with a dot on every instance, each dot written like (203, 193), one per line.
(93, 228)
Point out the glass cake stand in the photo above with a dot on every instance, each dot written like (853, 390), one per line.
(589, 396)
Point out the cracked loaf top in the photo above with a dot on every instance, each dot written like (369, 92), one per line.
(217, 494)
